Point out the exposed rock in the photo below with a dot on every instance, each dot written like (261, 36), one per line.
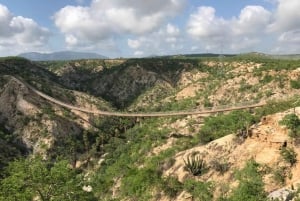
(283, 194)
(263, 146)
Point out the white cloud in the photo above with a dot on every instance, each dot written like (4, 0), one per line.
(238, 33)
(193, 48)
(134, 44)
(244, 43)
(19, 34)
(71, 39)
(5, 18)
(105, 19)
(252, 20)
(287, 16)
(138, 53)
(172, 30)
(167, 40)
(204, 24)
(171, 39)
(290, 37)
(288, 43)
(286, 26)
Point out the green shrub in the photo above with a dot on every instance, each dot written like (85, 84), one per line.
(277, 106)
(201, 191)
(281, 80)
(245, 87)
(289, 155)
(47, 109)
(224, 124)
(266, 79)
(138, 182)
(195, 164)
(207, 103)
(280, 174)
(269, 93)
(27, 179)
(295, 84)
(171, 186)
(251, 186)
(220, 165)
(292, 122)
(124, 159)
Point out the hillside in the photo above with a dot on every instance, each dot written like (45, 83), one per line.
(29, 124)
(264, 144)
(142, 158)
(58, 56)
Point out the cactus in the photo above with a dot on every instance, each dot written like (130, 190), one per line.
(195, 165)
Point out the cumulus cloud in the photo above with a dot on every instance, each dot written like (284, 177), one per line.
(290, 36)
(205, 24)
(107, 18)
(172, 30)
(287, 16)
(237, 33)
(286, 25)
(138, 53)
(288, 42)
(167, 40)
(134, 44)
(252, 20)
(18, 33)
(145, 27)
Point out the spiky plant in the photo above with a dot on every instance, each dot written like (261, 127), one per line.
(195, 164)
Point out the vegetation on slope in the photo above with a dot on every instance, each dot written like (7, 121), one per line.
(116, 156)
(29, 178)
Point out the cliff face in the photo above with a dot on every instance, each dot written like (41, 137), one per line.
(31, 125)
(24, 117)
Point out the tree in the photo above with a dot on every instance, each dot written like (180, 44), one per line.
(31, 178)
(221, 125)
(251, 186)
(292, 122)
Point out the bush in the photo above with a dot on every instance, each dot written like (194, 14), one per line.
(266, 79)
(224, 124)
(251, 186)
(220, 165)
(292, 122)
(195, 164)
(207, 103)
(199, 190)
(171, 186)
(280, 174)
(277, 106)
(139, 181)
(27, 179)
(295, 84)
(289, 155)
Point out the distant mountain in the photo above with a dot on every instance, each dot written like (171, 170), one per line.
(64, 55)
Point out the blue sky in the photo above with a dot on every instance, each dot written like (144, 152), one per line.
(135, 28)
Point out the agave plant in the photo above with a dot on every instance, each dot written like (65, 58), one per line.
(195, 164)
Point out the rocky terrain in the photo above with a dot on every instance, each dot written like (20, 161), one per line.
(264, 144)
(196, 157)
